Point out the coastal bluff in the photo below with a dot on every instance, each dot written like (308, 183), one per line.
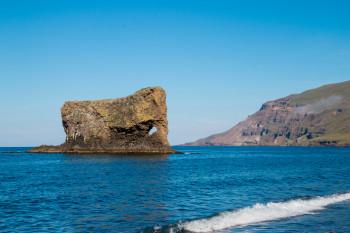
(316, 117)
(136, 124)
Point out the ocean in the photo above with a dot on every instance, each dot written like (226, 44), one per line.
(206, 189)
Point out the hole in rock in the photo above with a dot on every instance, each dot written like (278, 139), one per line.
(152, 131)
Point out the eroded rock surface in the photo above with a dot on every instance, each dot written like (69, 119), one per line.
(134, 124)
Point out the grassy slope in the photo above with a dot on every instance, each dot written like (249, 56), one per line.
(338, 89)
(337, 125)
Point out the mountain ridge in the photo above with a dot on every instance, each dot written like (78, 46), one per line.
(316, 117)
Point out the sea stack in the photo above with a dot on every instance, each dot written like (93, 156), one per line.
(136, 124)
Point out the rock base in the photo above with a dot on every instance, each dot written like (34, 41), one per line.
(62, 149)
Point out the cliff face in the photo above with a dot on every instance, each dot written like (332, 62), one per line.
(316, 117)
(134, 124)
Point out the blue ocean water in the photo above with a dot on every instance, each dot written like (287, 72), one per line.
(212, 189)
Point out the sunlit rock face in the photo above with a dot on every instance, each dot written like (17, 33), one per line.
(133, 124)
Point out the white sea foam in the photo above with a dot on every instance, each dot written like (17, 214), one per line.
(262, 212)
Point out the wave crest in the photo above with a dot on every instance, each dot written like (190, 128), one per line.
(261, 213)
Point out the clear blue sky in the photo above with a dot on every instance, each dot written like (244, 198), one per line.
(218, 60)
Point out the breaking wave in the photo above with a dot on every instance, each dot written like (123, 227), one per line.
(261, 213)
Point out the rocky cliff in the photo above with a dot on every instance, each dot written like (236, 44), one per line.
(134, 124)
(316, 117)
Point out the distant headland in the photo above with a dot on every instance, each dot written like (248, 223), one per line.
(136, 124)
(317, 117)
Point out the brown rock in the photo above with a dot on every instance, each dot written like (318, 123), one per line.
(134, 124)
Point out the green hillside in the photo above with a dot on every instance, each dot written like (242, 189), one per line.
(338, 89)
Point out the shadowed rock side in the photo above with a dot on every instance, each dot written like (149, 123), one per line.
(313, 118)
(134, 124)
